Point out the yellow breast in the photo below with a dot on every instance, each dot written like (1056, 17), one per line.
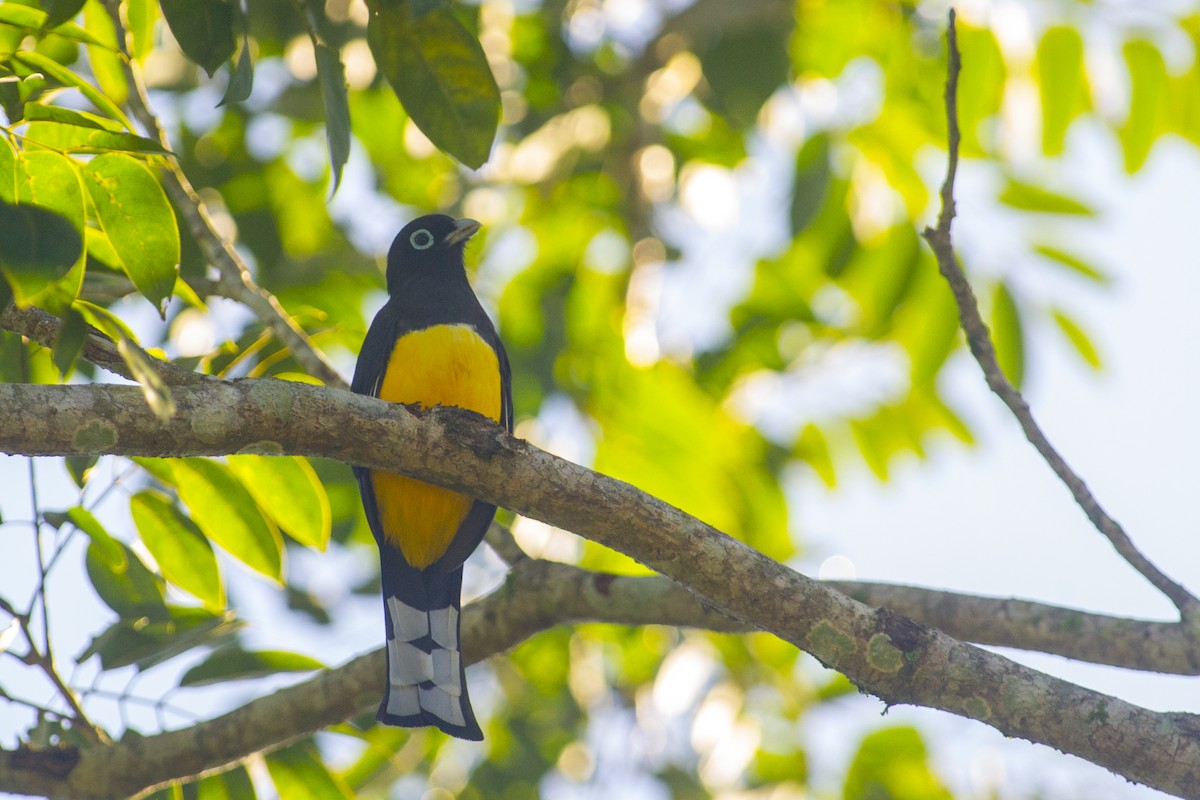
(446, 365)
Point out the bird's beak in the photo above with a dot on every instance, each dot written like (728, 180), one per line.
(463, 229)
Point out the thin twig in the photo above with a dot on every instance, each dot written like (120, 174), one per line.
(20, 701)
(235, 276)
(39, 596)
(79, 719)
(158, 705)
(34, 658)
(43, 657)
(43, 327)
(980, 342)
(62, 547)
(36, 526)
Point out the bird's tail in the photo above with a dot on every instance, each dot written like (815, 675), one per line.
(427, 683)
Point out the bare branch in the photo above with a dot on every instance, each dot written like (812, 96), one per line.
(1165, 647)
(235, 280)
(980, 342)
(897, 659)
(538, 595)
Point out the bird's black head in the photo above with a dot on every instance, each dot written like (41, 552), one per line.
(429, 247)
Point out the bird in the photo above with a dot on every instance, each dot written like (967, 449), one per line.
(431, 344)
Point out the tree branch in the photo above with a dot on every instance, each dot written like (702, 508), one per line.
(236, 280)
(897, 659)
(537, 596)
(43, 327)
(979, 341)
(1165, 647)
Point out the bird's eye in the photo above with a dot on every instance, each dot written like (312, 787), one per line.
(421, 240)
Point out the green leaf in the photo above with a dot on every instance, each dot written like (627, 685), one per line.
(69, 116)
(107, 322)
(1060, 79)
(241, 80)
(721, 477)
(154, 389)
(11, 101)
(6, 289)
(304, 602)
(234, 784)
(162, 469)
(71, 138)
(8, 171)
(188, 295)
(332, 75)
(287, 489)
(37, 247)
(422, 7)
(1072, 262)
(184, 556)
(66, 77)
(133, 642)
(136, 216)
(228, 515)
(383, 743)
(108, 549)
(441, 76)
(80, 468)
(1148, 86)
(141, 16)
(744, 68)
(812, 447)
(235, 664)
(105, 60)
(811, 183)
(1027, 197)
(69, 341)
(1008, 335)
(41, 239)
(35, 21)
(204, 30)
(893, 763)
(59, 11)
(125, 584)
(980, 87)
(299, 773)
(873, 444)
(1078, 339)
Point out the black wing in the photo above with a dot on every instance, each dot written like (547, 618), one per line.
(368, 376)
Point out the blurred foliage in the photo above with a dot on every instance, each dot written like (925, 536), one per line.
(698, 216)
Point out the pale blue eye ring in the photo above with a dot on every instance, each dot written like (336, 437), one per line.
(421, 240)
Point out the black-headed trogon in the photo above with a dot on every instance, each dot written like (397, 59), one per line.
(431, 344)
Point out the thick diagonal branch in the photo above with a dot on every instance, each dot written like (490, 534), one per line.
(979, 341)
(888, 655)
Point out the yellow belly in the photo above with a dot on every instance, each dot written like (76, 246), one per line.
(446, 365)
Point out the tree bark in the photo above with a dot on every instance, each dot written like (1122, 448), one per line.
(884, 653)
